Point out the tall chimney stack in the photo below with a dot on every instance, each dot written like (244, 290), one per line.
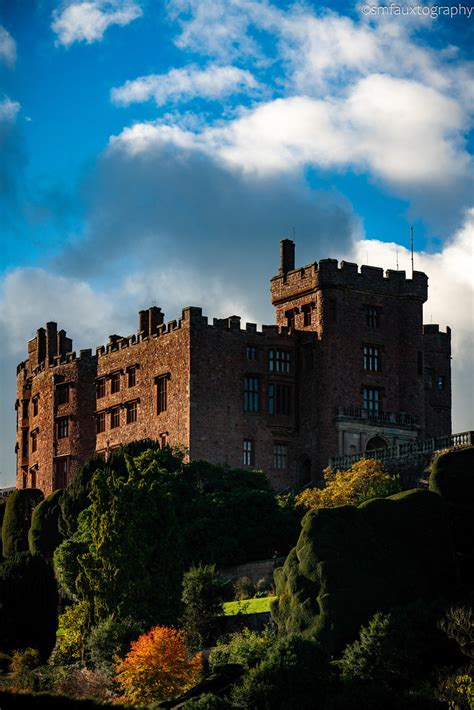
(287, 255)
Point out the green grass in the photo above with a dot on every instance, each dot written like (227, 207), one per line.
(248, 606)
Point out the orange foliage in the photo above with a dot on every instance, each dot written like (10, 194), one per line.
(157, 667)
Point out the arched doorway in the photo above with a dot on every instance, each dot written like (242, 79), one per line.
(304, 472)
(376, 442)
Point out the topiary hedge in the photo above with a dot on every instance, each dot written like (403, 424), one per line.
(352, 562)
(29, 604)
(44, 535)
(452, 477)
(17, 520)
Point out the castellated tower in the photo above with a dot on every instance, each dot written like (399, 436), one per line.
(347, 367)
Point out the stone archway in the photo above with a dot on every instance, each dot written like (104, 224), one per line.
(376, 442)
(304, 472)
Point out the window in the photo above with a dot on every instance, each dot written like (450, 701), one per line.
(251, 352)
(163, 440)
(100, 388)
(372, 400)
(115, 382)
(114, 417)
(131, 412)
(62, 427)
(440, 382)
(248, 452)
(372, 358)
(279, 361)
(33, 477)
(251, 394)
(132, 376)
(24, 443)
(372, 316)
(279, 399)
(35, 405)
(307, 316)
(100, 422)
(162, 394)
(62, 394)
(280, 456)
(61, 469)
(290, 319)
(34, 440)
(24, 408)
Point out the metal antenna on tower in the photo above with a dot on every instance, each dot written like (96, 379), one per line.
(397, 258)
(411, 247)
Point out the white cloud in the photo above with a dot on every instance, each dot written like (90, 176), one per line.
(7, 47)
(401, 131)
(87, 21)
(450, 302)
(8, 109)
(185, 84)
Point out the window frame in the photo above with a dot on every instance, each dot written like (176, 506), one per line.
(115, 417)
(372, 356)
(252, 394)
(115, 382)
(372, 316)
(248, 451)
(62, 427)
(100, 422)
(372, 400)
(62, 398)
(161, 382)
(132, 412)
(100, 388)
(280, 455)
(279, 361)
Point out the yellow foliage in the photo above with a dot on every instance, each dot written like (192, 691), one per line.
(157, 667)
(463, 688)
(346, 487)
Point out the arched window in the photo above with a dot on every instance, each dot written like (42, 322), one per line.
(376, 442)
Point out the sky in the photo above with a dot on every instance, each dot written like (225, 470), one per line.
(154, 152)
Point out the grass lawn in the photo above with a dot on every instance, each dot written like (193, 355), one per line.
(248, 606)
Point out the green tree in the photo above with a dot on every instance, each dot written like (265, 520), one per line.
(17, 520)
(110, 640)
(44, 535)
(202, 598)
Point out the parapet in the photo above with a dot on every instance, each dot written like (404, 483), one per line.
(436, 339)
(329, 274)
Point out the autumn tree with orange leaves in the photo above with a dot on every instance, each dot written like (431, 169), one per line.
(157, 667)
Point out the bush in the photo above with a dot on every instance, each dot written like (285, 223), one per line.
(66, 565)
(294, 675)
(265, 587)
(17, 519)
(22, 668)
(452, 477)
(243, 588)
(364, 480)
(209, 702)
(29, 608)
(202, 598)
(74, 624)
(44, 535)
(458, 624)
(110, 640)
(157, 667)
(247, 648)
(351, 562)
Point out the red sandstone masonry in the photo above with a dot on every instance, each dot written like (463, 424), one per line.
(321, 322)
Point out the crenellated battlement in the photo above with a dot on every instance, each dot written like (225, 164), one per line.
(328, 273)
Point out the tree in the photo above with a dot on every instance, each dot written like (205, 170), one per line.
(17, 520)
(364, 480)
(157, 667)
(111, 640)
(29, 604)
(202, 598)
(44, 535)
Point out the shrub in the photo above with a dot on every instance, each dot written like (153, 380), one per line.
(458, 624)
(294, 675)
(44, 535)
(157, 667)
(29, 608)
(247, 648)
(380, 654)
(452, 477)
(265, 587)
(243, 588)
(110, 640)
(22, 667)
(208, 701)
(17, 520)
(365, 479)
(74, 625)
(351, 562)
(202, 598)
(66, 565)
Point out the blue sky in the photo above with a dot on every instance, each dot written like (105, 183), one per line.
(157, 151)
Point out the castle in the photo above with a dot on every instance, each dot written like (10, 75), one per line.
(348, 367)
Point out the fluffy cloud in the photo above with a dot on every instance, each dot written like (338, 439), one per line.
(450, 301)
(184, 84)
(7, 47)
(401, 131)
(8, 110)
(87, 21)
